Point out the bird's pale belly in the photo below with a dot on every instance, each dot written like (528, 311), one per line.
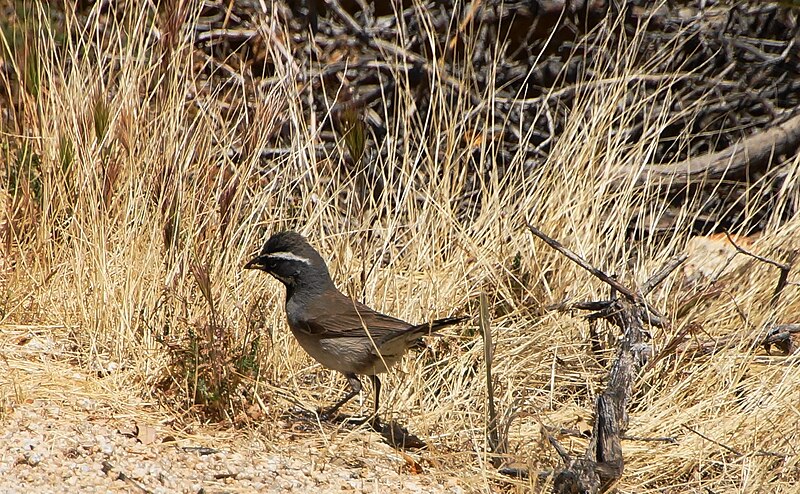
(348, 355)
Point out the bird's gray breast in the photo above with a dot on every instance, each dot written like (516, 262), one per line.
(293, 310)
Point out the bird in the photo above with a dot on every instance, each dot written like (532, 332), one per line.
(337, 331)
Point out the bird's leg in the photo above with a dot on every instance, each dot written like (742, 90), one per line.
(376, 384)
(355, 388)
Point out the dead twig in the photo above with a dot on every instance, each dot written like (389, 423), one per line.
(784, 268)
(736, 452)
(497, 445)
(659, 276)
(724, 446)
(108, 467)
(616, 285)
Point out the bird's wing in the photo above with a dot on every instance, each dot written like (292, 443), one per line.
(335, 315)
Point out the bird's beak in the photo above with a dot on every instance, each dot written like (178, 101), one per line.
(258, 262)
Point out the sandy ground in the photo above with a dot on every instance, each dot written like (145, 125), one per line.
(62, 430)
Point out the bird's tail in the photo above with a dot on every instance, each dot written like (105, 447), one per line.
(433, 326)
(416, 332)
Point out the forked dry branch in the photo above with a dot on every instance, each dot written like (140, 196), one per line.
(602, 463)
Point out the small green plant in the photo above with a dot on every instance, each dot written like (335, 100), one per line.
(101, 117)
(33, 73)
(353, 131)
(209, 368)
(66, 154)
(24, 175)
(24, 185)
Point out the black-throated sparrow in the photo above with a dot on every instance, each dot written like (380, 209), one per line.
(337, 331)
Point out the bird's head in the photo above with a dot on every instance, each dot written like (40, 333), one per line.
(289, 258)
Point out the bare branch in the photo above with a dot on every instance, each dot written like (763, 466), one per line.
(555, 244)
(785, 268)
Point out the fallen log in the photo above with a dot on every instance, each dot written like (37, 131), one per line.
(754, 154)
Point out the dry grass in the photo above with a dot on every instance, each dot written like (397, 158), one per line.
(127, 227)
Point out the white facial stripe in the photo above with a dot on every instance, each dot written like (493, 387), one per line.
(288, 256)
